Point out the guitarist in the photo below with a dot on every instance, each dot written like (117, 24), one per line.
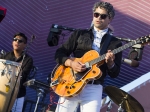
(82, 41)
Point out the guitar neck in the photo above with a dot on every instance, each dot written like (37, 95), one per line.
(115, 51)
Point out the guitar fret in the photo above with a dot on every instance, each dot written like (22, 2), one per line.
(115, 51)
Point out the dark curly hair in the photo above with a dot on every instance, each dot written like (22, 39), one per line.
(107, 6)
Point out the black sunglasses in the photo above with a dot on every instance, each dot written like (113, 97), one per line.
(102, 16)
(20, 41)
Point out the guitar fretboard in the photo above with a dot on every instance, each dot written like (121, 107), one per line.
(115, 51)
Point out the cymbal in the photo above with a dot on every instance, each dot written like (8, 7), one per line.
(118, 96)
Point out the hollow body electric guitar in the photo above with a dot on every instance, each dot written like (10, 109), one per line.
(67, 83)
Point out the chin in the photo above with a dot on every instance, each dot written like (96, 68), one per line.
(17, 49)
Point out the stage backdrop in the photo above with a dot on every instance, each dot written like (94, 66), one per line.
(34, 17)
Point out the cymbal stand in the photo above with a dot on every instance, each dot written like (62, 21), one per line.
(120, 109)
(109, 106)
(40, 93)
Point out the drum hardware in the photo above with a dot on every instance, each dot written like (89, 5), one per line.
(40, 87)
(41, 93)
(120, 109)
(8, 86)
(125, 101)
(3, 71)
(7, 82)
(7, 63)
(16, 81)
(7, 72)
(109, 106)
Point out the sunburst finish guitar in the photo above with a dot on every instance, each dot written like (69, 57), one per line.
(68, 83)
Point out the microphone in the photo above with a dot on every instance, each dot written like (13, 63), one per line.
(125, 39)
(131, 62)
(27, 47)
(62, 27)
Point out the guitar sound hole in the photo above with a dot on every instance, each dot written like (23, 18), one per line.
(72, 87)
(94, 72)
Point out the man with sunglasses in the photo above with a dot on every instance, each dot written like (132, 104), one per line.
(19, 44)
(81, 41)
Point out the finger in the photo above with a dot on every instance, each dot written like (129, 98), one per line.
(111, 55)
(108, 50)
(81, 63)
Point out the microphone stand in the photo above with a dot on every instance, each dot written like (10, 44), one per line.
(24, 54)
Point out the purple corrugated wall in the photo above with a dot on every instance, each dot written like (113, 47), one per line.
(132, 20)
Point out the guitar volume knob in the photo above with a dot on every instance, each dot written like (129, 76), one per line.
(66, 87)
(68, 92)
(93, 71)
(73, 86)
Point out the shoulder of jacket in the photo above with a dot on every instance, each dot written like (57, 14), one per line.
(28, 56)
(81, 31)
(114, 39)
(8, 54)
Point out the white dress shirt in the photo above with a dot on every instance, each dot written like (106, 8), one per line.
(98, 34)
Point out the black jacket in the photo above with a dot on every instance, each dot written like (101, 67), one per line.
(26, 67)
(81, 42)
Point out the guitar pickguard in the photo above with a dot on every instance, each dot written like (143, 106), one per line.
(78, 76)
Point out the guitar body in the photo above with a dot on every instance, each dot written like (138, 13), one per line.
(68, 83)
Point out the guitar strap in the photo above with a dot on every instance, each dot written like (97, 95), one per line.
(105, 44)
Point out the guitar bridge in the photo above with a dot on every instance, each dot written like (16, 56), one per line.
(54, 83)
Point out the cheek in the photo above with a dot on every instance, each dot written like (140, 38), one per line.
(24, 46)
(94, 19)
(12, 43)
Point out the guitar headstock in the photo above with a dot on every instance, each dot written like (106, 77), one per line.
(144, 40)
